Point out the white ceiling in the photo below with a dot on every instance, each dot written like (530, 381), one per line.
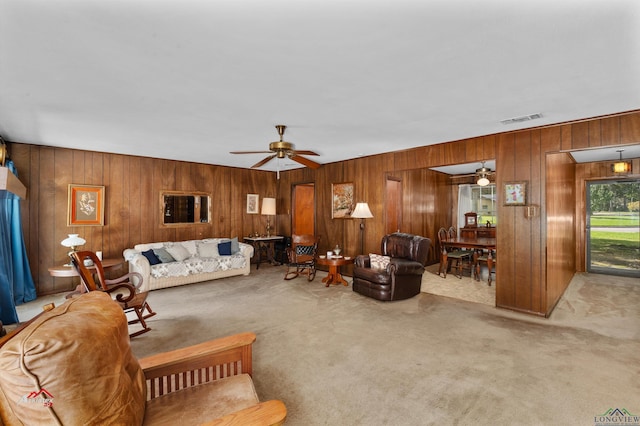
(194, 79)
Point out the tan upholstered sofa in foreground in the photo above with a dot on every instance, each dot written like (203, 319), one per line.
(73, 365)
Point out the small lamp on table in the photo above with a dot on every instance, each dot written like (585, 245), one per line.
(73, 241)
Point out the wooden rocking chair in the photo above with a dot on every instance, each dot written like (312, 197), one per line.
(130, 299)
(302, 256)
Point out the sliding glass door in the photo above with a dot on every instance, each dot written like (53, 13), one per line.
(613, 227)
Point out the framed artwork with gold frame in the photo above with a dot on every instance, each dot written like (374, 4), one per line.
(341, 200)
(86, 205)
(515, 193)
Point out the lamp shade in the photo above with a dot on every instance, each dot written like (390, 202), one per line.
(268, 206)
(483, 181)
(73, 240)
(621, 167)
(362, 211)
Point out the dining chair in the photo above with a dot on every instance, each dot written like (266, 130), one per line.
(488, 257)
(448, 254)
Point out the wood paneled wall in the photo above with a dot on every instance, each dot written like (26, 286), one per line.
(132, 203)
(527, 283)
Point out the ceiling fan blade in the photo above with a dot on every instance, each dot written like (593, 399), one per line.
(305, 161)
(263, 161)
(305, 152)
(250, 152)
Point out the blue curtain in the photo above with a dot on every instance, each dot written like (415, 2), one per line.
(16, 282)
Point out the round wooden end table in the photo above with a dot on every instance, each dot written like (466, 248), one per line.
(70, 271)
(334, 265)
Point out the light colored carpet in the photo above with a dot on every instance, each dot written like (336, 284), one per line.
(337, 358)
(464, 288)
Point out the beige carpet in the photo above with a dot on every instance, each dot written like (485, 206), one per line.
(464, 288)
(337, 358)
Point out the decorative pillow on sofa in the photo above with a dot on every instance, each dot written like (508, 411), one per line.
(178, 252)
(235, 245)
(379, 261)
(225, 248)
(151, 256)
(208, 250)
(163, 255)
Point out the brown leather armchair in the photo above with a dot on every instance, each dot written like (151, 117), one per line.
(401, 278)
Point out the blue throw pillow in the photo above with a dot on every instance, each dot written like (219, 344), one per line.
(151, 256)
(224, 249)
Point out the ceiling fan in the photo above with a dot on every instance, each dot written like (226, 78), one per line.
(282, 149)
(481, 175)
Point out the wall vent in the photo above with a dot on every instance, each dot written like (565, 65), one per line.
(521, 119)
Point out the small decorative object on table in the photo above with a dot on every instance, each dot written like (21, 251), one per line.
(337, 250)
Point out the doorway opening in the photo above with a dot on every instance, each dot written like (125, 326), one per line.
(613, 227)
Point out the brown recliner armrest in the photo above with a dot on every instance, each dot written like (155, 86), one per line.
(406, 267)
(362, 261)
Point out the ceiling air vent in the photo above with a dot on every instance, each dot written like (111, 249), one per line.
(521, 119)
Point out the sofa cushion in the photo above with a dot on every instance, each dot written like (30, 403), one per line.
(235, 245)
(178, 252)
(208, 250)
(225, 248)
(163, 255)
(202, 403)
(378, 261)
(78, 356)
(151, 257)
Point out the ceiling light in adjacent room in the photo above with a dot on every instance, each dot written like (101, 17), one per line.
(621, 167)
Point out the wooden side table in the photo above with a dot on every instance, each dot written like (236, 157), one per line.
(266, 243)
(334, 265)
(70, 271)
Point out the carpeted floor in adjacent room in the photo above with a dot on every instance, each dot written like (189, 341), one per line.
(337, 358)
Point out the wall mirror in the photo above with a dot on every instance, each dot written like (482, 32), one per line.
(185, 207)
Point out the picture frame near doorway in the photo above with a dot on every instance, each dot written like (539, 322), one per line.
(86, 205)
(253, 201)
(515, 193)
(342, 200)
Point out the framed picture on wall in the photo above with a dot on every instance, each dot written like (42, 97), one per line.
(252, 203)
(86, 205)
(341, 200)
(515, 193)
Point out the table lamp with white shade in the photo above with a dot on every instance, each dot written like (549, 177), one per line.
(73, 241)
(268, 209)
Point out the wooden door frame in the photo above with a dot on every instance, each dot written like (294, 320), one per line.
(293, 203)
(400, 209)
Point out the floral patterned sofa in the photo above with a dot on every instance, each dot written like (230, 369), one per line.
(169, 264)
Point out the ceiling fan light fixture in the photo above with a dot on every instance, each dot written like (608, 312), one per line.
(483, 181)
(482, 174)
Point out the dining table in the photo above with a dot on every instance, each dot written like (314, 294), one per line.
(479, 244)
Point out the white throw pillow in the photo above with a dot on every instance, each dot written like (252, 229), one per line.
(379, 261)
(208, 250)
(178, 252)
